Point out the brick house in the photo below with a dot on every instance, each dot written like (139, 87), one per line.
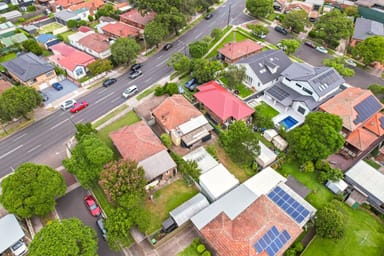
(119, 29)
(134, 18)
(232, 52)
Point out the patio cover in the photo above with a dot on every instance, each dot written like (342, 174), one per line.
(157, 164)
(187, 210)
(10, 232)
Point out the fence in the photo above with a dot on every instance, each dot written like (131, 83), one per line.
(93, 79)
(60, 30)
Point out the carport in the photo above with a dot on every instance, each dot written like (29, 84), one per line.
(10, 232)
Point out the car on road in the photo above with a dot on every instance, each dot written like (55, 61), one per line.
(321, 49)
(109, 82)
(19, 248)
(281, 30)
(43, 95)
(136, 66)
(310, 44)
(57, 86)
(167, 46)
(130, 91)
(134, 74)
(350, 62)
(208, 16)
(67, 104)
(100, 225)
(92, 206)
(79, 106)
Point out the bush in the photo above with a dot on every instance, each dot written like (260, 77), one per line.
(168, 88)
(212, 151)
(166, 139)
(206, 253)
(200, 248)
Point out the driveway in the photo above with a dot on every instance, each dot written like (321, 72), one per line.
(71, 205)
(53, 94)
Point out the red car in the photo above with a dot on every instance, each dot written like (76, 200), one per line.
(92, 206)
(79, 106)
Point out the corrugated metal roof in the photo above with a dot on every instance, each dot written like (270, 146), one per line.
(187, 210)
(10, 232)
(264, 181)
(157, 164)
(204, 160)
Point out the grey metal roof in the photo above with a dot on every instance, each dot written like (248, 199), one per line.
(204, 160)
(366, 28)
(268, 65)
(157, 164)
(10, 232)
(322, 79)
(187, 210)
(27, 66)
(366, 109)
(65, 15)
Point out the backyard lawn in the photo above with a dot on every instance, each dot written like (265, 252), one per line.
(7, 57)
(167, 199)
(50, 27)
(265, 110)
(231, 37)
(66, 34)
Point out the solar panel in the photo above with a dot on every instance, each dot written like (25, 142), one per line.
(366, 109)
(258, 247)
(277, 93)
(272, 241)
(270, 251)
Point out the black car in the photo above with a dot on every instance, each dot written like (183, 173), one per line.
(109, 82)
(281, 30)
(134, 74)
(310, 44)
(101, 227)
(167, 46)
(208, 16)
(136, 66)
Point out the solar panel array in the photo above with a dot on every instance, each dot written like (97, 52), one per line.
(278, 93)
(288, 204)
(272, 241)
(366, 109)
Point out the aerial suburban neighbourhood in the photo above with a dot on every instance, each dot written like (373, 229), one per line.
(192, 128)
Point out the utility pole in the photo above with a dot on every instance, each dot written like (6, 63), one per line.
(229, 14)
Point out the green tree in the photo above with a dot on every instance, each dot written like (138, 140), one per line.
(125, 51)
(18, 101)
(319, 137)
(166, 139)
(32, 46)
(352, 11)
(290, 45)
(259, 8)
(258, 29)
(72, 24)
(64, 237)
(216, 33)
(88, 159)
(370, 50)
(241, 143)
(378, 91)
(100, 66)
(154, 33)
(118, 226)
(180, 62)
(198, 49)
(339, 65)
(307, 167)
(84, 129)
(31, 8)
(106, 10)
(295, 20)
(32, 190)
(234, 75)
(173, 21)
(204, 70)
(329, 223)
(191, 168)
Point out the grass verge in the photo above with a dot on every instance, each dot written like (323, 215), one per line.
(146, 93)
(109, 116)
(102, 199)
(373, 163)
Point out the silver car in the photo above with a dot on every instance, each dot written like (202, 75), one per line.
(130, 91)
(67, 104)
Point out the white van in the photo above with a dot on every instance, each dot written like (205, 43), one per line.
(19, 248)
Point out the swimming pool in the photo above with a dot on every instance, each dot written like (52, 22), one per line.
(288, 122)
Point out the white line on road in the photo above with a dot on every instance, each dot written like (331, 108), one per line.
(147, 80)
(103, 98)
(160, 56)
(116, 99)
(198, 35)
(21, 136)
(58, 124)
(11, 151)
(161, 63)
(101, 91)
(80, 121)
(34, 148)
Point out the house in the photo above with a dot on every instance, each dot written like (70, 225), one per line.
(30, 29)
(31, 70)
(95, 44)
(12, 15)
(11, 39)
(4, 85)
(119, 29)
(363, 122)
(74, 62)
(122, 6)
(182, 121)
(367, 183)
(90, 5)
(365, 28)
(221, 105)
(134, 18)
(47, 40)
(253, 218)
(371, 9)
(10, 232)
(234, 51)
(138, 143)
(7, 27)
(64, 16)
(264, 69)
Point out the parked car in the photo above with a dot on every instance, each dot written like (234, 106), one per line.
(191, 84)
(79, 106)
(92, 206)
(261, 35)
(167, 46)
(57, 86)
(67, 104)
(19, 248)
(281, 46)
(100, 225)
(130, 91)
(350, 62)
(208, 16)
(321, 49)
(281, 30)
(135, 74)
(310, 44)
(136, 66)
(109, 82)
(43, 95)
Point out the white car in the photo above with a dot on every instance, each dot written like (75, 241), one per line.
(281, 46)
(130, 91)
(67, 104)
(350, 62)
(321, 49)
(19, 248)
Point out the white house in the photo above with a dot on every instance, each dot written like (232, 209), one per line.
(95, 44)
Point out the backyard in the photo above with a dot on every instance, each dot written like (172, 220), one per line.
(49, 28)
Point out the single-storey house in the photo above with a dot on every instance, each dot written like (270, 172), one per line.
(134, 18)
(365, 28)
(47, 40)
(3, 6)
(30, 29)
(119, 29)
(234, 51)
(11, 15)
(371, 9)
(266, 156)
(64, 16)
(221, 105)
(204, 160)
(91, 5)
(10, 232)
(138, 143)
(11, 39)
(7, 27)
(31, 70)
(95, 44)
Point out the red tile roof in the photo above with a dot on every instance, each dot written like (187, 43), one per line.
(376, 124)
(135, 16)
(84, 29)
(237, 237)
(136, 142)
(297, 6)
(174, 111)
(92, 5)
(120, 29)
(361, 138)
(237, 50)
(96, 42)
(69, 57)
(221, 102)
(4, 85)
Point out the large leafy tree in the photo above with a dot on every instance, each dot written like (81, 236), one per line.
(173, 21)
(125, 51)
(204, 70)
(84, 129)
(154, 33)
(241, 143)
(329, 223)
(198, 49)
(18, 101)
(259, 8)
(180, 62)
(32, 190)
(295, 20)
(319, 137)
(234, 75)
(290, 45)
(370, 50)
(258, 29)
(88, 159)
(32, 46)
(100, 66)
(339, 64)
(64, 237)
(106, 10)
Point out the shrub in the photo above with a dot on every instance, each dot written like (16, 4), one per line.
(200, 248)
(206, 253)
(166, 139)
(212, 151)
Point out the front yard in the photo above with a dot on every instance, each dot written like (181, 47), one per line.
(234, 36)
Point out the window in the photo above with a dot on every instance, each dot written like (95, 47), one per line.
(301, 110)
(298, 85)
(307, 91)
(79, 71)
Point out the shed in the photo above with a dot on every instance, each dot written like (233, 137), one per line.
(188, 209)
(217, 182)
(10, 232)
(337, 187)
(204, 160)
(270, 134)
(266, 156)
(279, 143)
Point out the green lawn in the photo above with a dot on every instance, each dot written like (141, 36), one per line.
(109, 116)
(102, 199)
(146, 93)
(50, 27)
(231, 37)
(372, 163)
(266, 110)
(189, 251)
(7, 57)
(167, 199)
(66, 34)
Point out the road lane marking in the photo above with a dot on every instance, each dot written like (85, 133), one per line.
(21, 136)
(58, 124)
(34, 148)
(198, 35)
(103, 98)
(161, 63)
(147, 80)
(11, 151)
(116, 99)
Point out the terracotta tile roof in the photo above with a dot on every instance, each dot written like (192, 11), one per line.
(297, 6)
(96, 42)
(237, 237)
(237, 50)
(174, 111)
(120, 29)
(84, 29)
(69, 57)
(135, 16)
(221, 102)
(361, 138)
(136, 142)
(92, 5)
(376, 124)
(67, 3)
(343, 105)
(4, 85)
